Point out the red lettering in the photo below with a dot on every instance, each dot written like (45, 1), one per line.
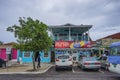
(62, 44)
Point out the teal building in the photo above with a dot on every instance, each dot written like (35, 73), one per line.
(71, 39)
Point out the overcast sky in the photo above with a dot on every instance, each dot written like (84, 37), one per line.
(104, 15)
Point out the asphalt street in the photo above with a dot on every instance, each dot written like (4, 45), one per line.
(63, 74)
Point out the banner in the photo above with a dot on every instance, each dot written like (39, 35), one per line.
(72, 44)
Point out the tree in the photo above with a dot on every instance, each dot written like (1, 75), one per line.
(1, 42)
(31, 35)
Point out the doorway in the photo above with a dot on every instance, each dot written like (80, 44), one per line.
(52, 56)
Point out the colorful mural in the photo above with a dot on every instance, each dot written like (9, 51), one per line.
(73, 44)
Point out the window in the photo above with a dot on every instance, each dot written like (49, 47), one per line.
(27, 54)
(63, 57)
(69, 52)
(45, 54)
(115, 51)
(104, 58)
(118, 52)
(74, 51)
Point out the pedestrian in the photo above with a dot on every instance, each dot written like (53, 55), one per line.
(104, 54)
(39, 60)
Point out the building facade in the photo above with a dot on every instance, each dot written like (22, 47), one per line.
(26, 57)
(71, 39)
(104, 43)
(7, 52)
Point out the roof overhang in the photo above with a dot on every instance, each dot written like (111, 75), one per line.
(73, 28)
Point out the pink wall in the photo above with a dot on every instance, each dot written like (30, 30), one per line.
(3, 53)
(14, 54)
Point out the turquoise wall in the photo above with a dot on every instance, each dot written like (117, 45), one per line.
(29, 59)
(45, 59)
(25, 59)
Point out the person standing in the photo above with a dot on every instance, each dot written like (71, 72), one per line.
(39, 60)
(104, 54)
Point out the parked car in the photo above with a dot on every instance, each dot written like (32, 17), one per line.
(2, 63)
(89, 63)
(104, 62)
(63, 61)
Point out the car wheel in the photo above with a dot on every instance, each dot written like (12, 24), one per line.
(56, 69)
(97, 69)
(70, 68)
(78, 66)
(82, 68)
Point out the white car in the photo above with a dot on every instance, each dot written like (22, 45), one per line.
(63, 61)
(104, 62)
(89, 63)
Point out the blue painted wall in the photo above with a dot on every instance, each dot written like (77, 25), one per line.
(25, 59)
(29, 59)
(45, 59)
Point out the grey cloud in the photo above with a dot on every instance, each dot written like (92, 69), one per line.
(102, 14)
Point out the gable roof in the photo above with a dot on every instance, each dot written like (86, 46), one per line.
(113, 36)
(11, 43)
(7, 45)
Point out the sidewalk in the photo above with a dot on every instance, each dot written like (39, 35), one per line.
(25, 69)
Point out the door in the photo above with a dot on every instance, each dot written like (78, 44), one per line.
(9, 56)
(52, 56)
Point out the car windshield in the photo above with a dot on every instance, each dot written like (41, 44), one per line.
(104, 58)
(63, 57)
(90, 59)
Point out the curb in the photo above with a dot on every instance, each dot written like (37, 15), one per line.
(28, 72)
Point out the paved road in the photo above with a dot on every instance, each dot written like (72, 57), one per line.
(75, 74)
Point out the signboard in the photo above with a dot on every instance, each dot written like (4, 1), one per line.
(106, 41)
(72, 44)
(115, 40)
(8, 50)
(62, 44)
